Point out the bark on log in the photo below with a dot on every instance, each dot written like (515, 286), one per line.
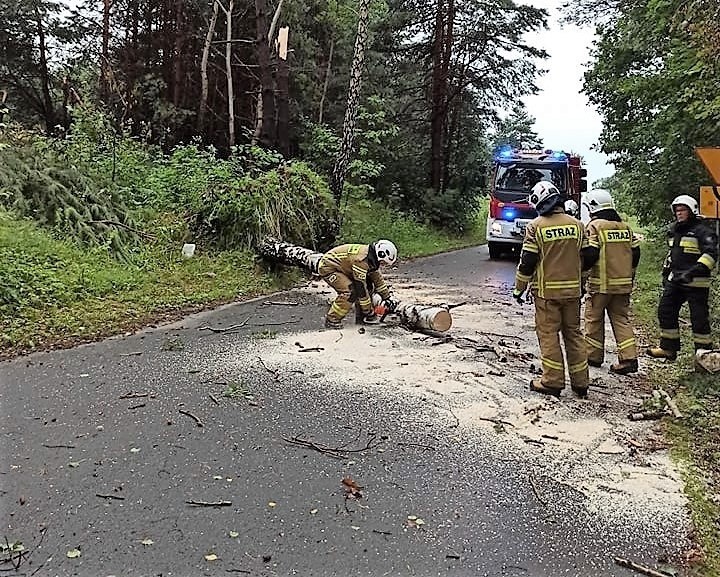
(414, 316)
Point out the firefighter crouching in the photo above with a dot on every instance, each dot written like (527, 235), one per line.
(686, 277)
(550, 260)
(350, 269)
(613, 252)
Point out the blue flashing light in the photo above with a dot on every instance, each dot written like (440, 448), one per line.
(559, 155)
(504, 152)
(509, 214)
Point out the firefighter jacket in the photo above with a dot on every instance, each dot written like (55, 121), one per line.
(612, 254)
(360, 264)
(550, 259)
(692, 253)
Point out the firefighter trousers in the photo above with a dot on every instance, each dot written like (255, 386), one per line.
(553, 317)
(618, 311)
(346, 296)
(673, 297)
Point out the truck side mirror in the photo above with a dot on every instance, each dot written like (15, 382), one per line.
(583, 185)
(583, 172)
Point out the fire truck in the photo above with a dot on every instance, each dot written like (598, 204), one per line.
(514, 173)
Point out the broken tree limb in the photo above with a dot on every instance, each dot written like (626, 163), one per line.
(670, 403)
(639, 568)
(414, 316)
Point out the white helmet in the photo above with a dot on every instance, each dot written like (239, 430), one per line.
(544, 197)
(597, 200)
(571, 207)
(386, 252)
(688, 201)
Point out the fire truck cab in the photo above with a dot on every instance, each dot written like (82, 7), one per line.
(514, 173)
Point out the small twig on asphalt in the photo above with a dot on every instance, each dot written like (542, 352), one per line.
(230, 328)
(134, 395)
(274, 324)
(109, 496)
(496, 421)
(134, 353)
(280, 303)
(198, 422)
(500, 335)
(59, 446)
(427, 447)
(136, 407)
(670, 403)
(381, 532)
(311, 350)
(537, 493)
(452, 556)
(238, 571)
(210, 503)
(335, 452)
(639, 568)
(213, 399)
(451, 307)
(275, 374)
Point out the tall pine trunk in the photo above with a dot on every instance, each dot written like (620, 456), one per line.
(47, 101)
(202, 110)
(356, 71)
(442, 55)
(262, 51)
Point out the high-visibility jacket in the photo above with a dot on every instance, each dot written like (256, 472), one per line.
(359, 263)
(614, 270)
(692, 247)
(550, 260)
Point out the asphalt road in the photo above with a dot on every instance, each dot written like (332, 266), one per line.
(105, 445)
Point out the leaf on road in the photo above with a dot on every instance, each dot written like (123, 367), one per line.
(313, 511)
(217, 477)
(414, 521)
(74, 464)
(147, 542)
(134, 450)
(211, 557)
(352, 489)
(234, 534)
(73, 553)
(272, 504)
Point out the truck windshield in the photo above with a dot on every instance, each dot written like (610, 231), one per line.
(521, 177)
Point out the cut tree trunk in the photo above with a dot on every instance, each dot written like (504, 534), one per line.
(413, 316)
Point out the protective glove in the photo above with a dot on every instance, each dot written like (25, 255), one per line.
(390, 304)
(682, 277)
(371, 319)
(518, 296)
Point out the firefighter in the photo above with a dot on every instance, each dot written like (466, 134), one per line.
(612, 256)
(350, 269)
(550, 261)
(686, 277)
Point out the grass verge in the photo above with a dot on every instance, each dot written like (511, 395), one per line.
(695, 438)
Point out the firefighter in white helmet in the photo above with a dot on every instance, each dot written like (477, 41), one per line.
(691, 258)
(613, 252)
(550, 262)
(353, 271)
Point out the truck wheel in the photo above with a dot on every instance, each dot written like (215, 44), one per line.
(495, 250)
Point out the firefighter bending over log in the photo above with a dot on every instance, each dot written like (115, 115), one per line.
(353, 271)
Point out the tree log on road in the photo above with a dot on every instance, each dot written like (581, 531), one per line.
(414, 316)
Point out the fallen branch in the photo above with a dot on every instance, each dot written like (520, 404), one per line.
(133, 395)
(279, 303)
(109, 496)
(543, 502)
(140, 233)
(210, 503)
(276, 374)
(496, 421)
(670, 403)
(198, 422)
(335, 452)
(639, 568)
(230, 328)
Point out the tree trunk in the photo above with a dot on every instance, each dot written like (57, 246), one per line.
(327, 81)
(48, 105)
(283, 82)
(105, 52)
(228, 72)
(177, 88)
(202, 111)
(356, 71)
(442, 54)
(262, 50)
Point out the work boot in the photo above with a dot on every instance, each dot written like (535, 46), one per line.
(581, 392)
(625, 367)
(536, 387)
(596, 364)
(660, 353)
(371, 319)
(332, 324)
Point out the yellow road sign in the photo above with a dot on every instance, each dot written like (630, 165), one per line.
(710, 201)
(710, 157)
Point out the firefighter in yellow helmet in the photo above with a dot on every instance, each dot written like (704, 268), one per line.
(351, 269)
(550, 261)
(613, 254)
